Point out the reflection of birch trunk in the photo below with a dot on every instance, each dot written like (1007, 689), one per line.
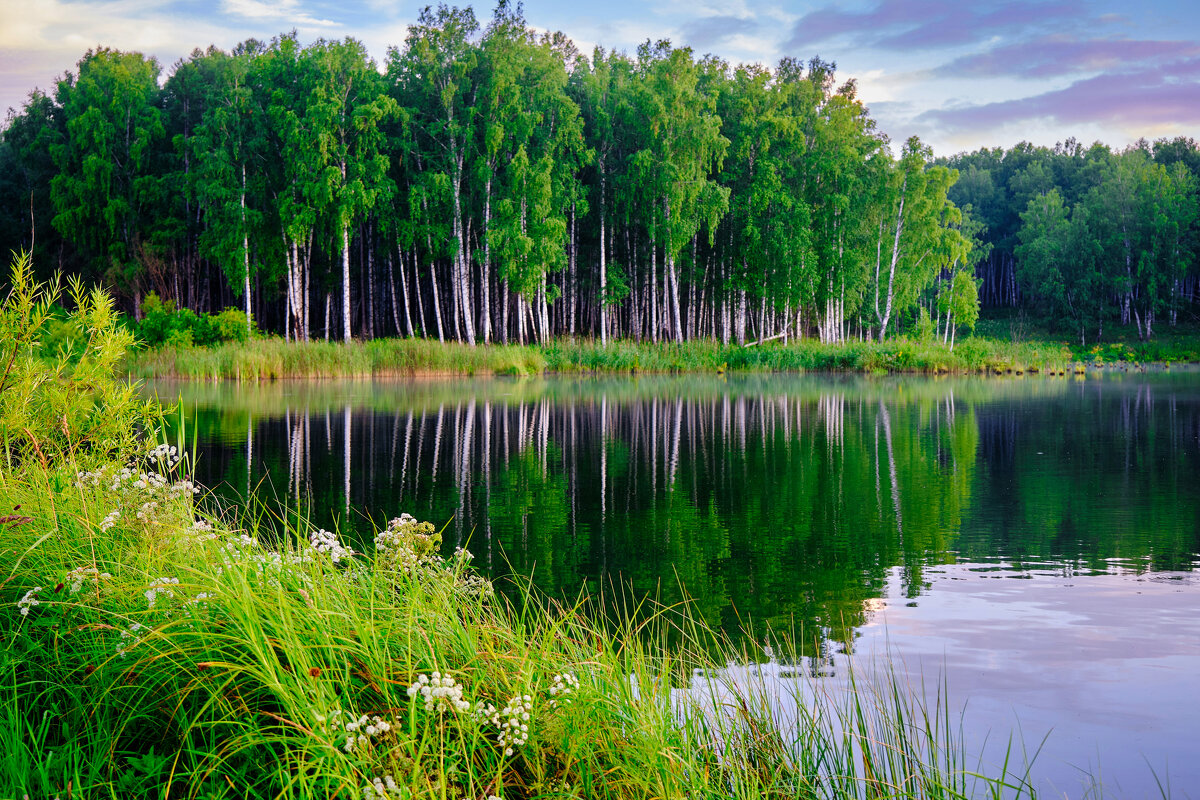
(249, 450)
(573, 474)
(832, 410)
(544, 432)
(457, 433)
(603, 461)
(464, 480)
(486, 462)
(740, 421)
(291, 447)
(346, 454)
(416, 470)
(654, 447)
(675, 442)
(887, 437)
(437, 446)
(408, 427)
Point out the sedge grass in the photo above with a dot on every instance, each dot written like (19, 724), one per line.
(267, 359)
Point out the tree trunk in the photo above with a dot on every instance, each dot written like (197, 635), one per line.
(485, 321)
(887, 313)
(345, 282)
(603, 267)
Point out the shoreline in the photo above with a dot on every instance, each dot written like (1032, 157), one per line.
(275, 359)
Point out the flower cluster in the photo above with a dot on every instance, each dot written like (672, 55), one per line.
(28, 601)
(141, 493)
(160, 586)
(134, 633)
(410, 546)
(562, 687)
(383, 788)
(77, 577)
(440, 692)
(513, 721)
(327, 543)
(165, 455)
(413, 548)
(476, 586)
(371, 727)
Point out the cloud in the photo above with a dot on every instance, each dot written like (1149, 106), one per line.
(904, 25)
(285, 11)
(1052, 56)
(1163, 98)
(707, 31)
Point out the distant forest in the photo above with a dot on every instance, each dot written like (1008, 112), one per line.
(488, 183)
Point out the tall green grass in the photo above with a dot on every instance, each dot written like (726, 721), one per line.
(894, 355)
(265, 359)
(158, 656)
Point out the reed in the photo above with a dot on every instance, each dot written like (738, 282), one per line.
(267, 359)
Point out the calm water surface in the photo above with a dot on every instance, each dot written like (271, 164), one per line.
(1032, 541)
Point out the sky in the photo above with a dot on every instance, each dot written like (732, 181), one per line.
(961, 74)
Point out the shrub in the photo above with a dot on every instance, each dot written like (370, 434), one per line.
(70, 406)
(228, 326)
(163, 324)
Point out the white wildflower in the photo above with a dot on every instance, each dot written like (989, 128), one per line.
(514, 723)
(134, 633)
(110, 520)
(370, 727)
(77, 577)
(327, 543)
(382, 788)
(160, 586)
(28, 601)
(562, 687)
(439, 692)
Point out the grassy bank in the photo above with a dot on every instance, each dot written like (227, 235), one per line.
(270, 358)
(150, 650)
(273, 358)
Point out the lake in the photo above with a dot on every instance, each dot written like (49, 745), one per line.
(1032, 542)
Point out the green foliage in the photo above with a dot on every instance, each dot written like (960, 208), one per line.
(163, 324)
(106, 186)
(923, 328)
(70, 406)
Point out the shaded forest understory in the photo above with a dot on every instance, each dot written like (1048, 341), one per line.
(487, 183)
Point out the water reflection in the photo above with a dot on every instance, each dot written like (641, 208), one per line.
(774, 503)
